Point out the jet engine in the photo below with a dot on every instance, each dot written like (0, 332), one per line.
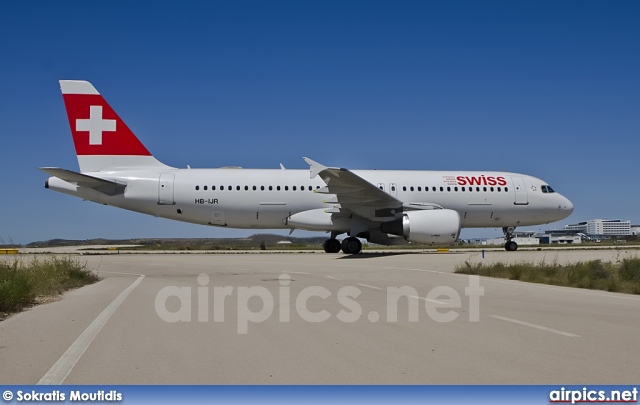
(440, 226)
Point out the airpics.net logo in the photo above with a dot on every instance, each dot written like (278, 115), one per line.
(256, 304)
(588, 395)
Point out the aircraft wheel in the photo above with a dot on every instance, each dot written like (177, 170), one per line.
(511, 246)
(351, 246)
(331, 245)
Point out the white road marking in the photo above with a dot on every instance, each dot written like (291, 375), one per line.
(427, 299)
(532, 325)
(298, 272)
(59, 372)
(331, 277)
(370, 286)
(121, 272)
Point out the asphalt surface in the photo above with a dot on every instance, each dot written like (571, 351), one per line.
(123, 330)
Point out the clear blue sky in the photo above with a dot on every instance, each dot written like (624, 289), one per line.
(547, 88)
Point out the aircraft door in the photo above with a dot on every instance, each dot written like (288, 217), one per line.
(165, 189)
(521, 191)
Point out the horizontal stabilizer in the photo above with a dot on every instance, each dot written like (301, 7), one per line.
(107, 187)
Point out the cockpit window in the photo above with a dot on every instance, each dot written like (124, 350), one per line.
(547, 189)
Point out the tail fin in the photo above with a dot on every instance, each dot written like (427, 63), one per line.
(103, 141)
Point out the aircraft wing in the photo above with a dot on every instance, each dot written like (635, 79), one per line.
(107, 187)
(355, 194)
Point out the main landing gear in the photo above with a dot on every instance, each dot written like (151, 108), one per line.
(331, 245)
(350, 246)
(510, 245)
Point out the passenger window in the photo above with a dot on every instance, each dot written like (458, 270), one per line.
(278, 188)
(426, 188)
(419, 188)
(286, 188)
(270, 188)
(411, 188)
(262, 188)
(506, 189)
(484, 189)
(310, 188)
(491, 189)
(478, 189)
(464, 189)
(433, 189)
(197, 188)
(221, 188)
(441, 188)
(455, 189)
(246, 188)
(404, 188)
(213, 188)
(293, 188)
(499, 189)
(204, 188)
(238, 188)
(393, 188)
(254, 188)
(448, 188)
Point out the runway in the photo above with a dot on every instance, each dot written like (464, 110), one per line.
(132, 327)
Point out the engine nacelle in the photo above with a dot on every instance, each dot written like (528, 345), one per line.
(440, 226)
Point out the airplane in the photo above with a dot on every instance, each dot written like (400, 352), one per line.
(387, 207)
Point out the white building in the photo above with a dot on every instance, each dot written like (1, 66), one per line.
(602, 227)
(561, 239)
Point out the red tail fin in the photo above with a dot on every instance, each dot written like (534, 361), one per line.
(102, 140)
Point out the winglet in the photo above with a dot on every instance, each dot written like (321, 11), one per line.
(314, 166)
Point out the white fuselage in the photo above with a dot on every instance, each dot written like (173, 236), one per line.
(263, 198)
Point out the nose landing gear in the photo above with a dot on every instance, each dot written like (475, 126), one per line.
(510, 245)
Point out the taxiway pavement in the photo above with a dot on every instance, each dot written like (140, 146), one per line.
(118, 330)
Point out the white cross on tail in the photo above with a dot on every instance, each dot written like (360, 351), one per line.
(95, 125)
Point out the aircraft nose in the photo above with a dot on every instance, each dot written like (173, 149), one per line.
(566, 205)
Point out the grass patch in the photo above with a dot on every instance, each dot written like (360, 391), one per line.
(621, 277)
(22, 282)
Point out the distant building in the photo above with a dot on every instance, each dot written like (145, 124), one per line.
(559, 237)
(635, 230)
(601, 227)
